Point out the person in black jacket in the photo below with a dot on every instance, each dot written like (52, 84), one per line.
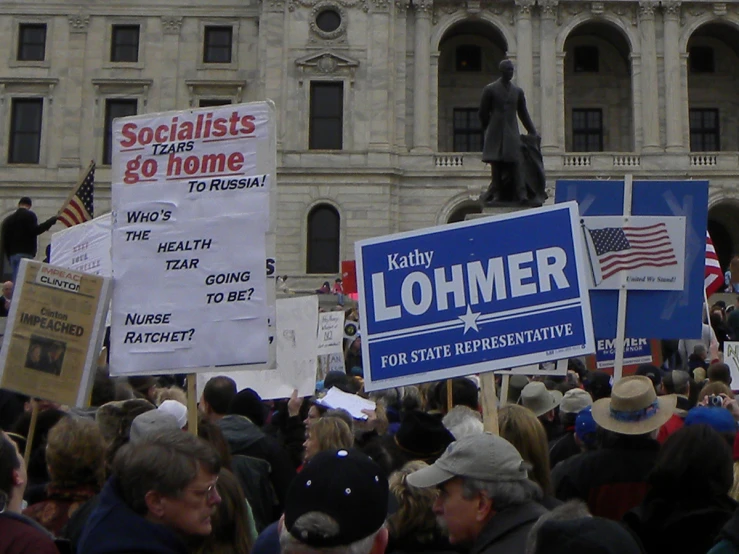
(689, 490)
(20, 231)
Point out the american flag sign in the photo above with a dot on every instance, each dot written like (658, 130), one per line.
(714, 277)
(626, 248)
(79, 207)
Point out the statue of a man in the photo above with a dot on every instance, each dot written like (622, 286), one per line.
(501, 105)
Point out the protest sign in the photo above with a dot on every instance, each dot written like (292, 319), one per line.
(330, 333)
(456, 300)
(731, 358)
(193, 196)
(636, 352)
(297, 319)
(54, 333)
(636, 252)
(552, 369)
(85, 247)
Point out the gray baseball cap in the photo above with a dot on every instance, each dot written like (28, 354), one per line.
(486, 457)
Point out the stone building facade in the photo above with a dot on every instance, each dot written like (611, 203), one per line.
(377, 99)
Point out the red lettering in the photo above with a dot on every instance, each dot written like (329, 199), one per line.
(247, 125)
(146, 135)
(161, 134)
(235, 161)
(129, 132)
(219, 127)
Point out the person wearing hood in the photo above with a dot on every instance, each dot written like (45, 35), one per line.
(160, 498)
(222, 405)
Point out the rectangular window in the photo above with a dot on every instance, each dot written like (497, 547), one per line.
(217, 45)
(704, 130)
(115, 108)
(32, 42)
(586, 59)
(25, 130)
(212, 102)
(468, 135)
(326, 116)
(587, 130)
(124, 45)
(701, 59)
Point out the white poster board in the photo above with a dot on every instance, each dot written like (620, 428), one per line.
(731, 358)
(297, 319)
(193, 199)
(85, 247)
(330, 333)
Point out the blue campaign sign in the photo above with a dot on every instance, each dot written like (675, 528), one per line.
(636, 351)
(482, 295)
(653, 314)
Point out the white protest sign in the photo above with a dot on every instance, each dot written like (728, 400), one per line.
(330, 333)
(85, 247)
(297, 319)
(558, 369)
(731, 358)
(193, 202)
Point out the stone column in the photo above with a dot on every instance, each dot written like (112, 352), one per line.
(72, 111)
(380, 51)
(636, 102)
(272, 41)
(548, 68)
(525, 56)
(171, 27)
(400, 53)
(649, 80)
(674, 92)
(421, 77)
(561, 129)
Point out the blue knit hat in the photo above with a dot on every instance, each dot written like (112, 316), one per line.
(720, 419)
(586, 427)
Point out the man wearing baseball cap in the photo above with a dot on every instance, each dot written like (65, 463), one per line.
(338, 503)
(486, 500)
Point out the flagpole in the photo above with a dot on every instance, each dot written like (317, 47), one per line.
(587, 247)
(75, 188)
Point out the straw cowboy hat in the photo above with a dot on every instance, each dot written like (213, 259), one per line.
(538, 399)
(634, 408)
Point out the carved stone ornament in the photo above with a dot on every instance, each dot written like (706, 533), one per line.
(719, 9)
(171, 24)
(597, 8)
(524, 7)
(549, 8)
(503, 11)
(274, 5)
(293, 4)
(322, 7)
(672, 9)
(79, 23)
(647, 9)
(423, 6)
(382, 5)
(326, 63)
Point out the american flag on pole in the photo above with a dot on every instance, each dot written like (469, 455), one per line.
(714, 278)
(626, 248)
(79, 205)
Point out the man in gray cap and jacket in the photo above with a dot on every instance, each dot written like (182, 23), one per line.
(486, 500)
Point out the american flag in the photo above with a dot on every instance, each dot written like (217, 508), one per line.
(625, 248)
(79, 208)
(714, 278)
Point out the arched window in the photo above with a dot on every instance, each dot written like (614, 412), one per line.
(323, 239)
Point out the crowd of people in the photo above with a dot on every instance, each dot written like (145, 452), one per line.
(580, 465)
(648, 464)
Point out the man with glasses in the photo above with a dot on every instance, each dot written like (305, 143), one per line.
(161, 494)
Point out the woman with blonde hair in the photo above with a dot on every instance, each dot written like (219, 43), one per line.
(413, 528)
(520, 426)
(75, 456)
(327, 433)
